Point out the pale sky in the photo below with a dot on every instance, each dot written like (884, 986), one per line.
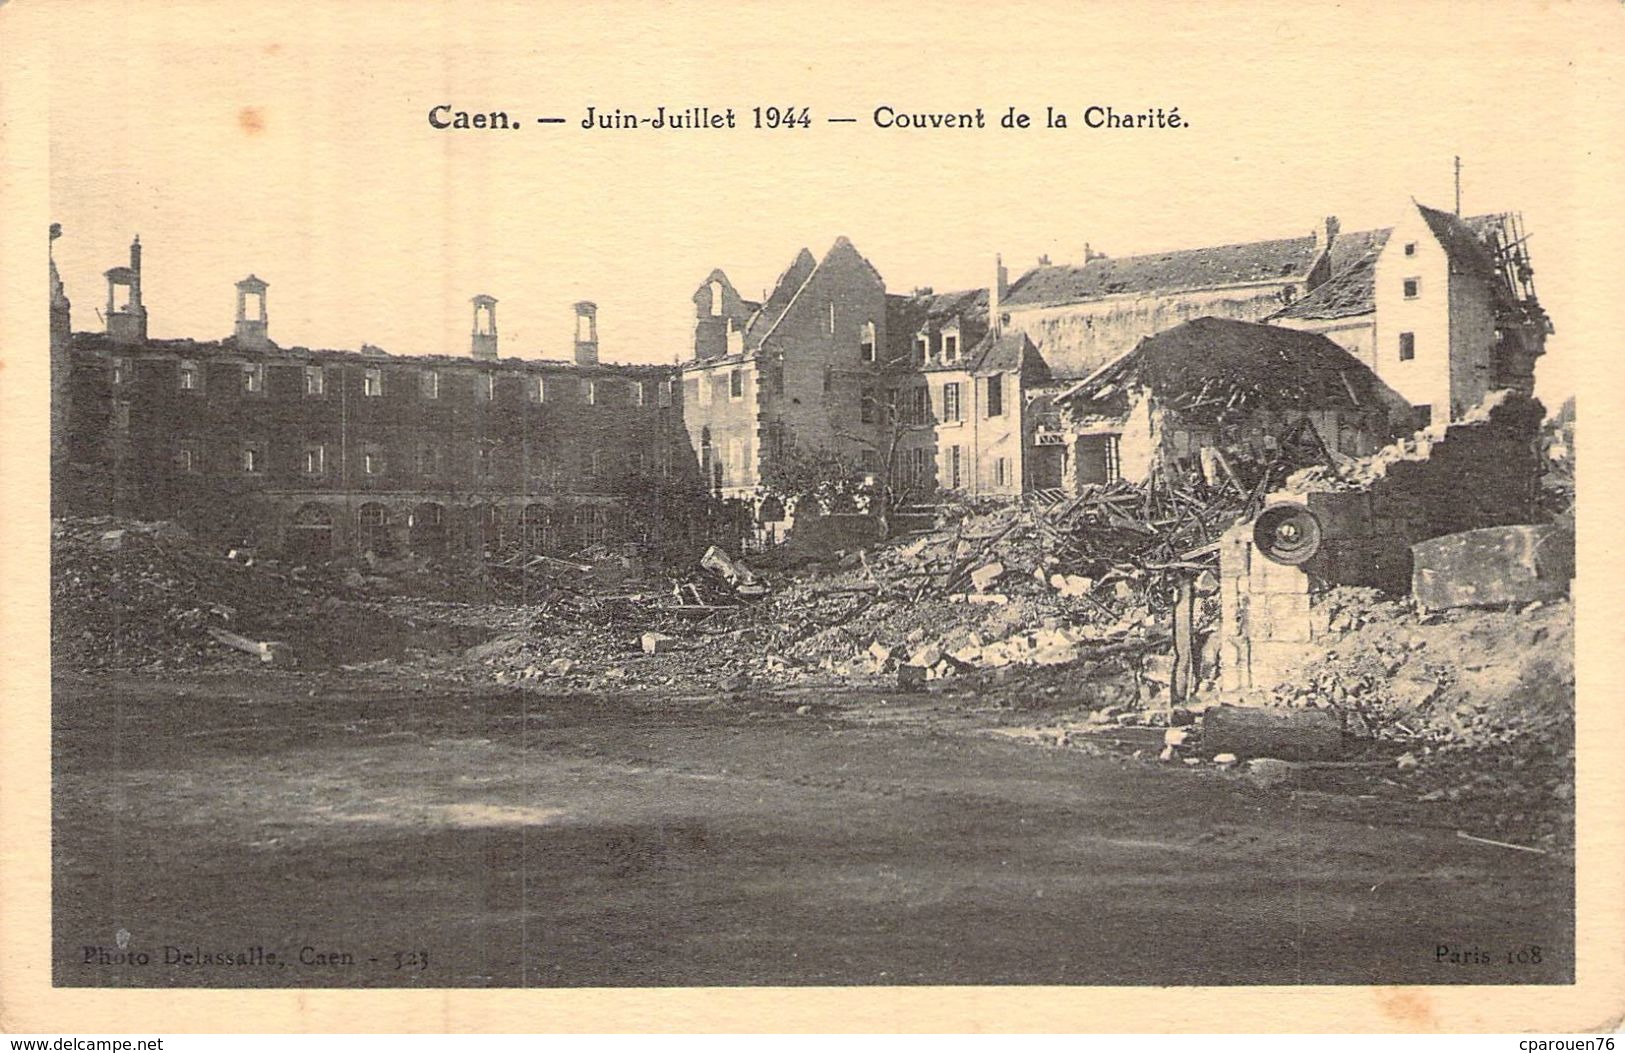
(242, 138)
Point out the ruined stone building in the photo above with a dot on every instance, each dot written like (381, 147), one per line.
(310, 453)
(918, 387)
(1213, 384)
(961, 398)
(801, 368)
(1442, 308)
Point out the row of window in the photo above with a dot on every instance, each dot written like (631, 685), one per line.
(590, 390)
(252, 458)
(913, 405)
(914, 468)
(922, 348)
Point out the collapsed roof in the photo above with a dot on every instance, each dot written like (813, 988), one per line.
(1211, 367)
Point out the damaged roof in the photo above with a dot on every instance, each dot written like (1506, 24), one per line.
(229, 349)
(1463, 241)
(1011, 351)
(1212, 365)
(1351, 290)
(1257, 261)
(908, 316)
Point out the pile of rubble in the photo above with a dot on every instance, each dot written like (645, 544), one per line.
(1457, 679)
(128, 595)
(1088, 579)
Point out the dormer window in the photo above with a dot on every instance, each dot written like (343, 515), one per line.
(922, 348)
(950, 347)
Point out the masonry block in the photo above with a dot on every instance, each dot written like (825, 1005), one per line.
(1493, 565)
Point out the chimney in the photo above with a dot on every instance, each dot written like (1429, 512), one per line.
(252, 329)
(126, 320)
(1326, 233)
(586, 333)
(485, 327)
(995, 295)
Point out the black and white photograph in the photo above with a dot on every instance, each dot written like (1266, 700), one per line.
(706, 496)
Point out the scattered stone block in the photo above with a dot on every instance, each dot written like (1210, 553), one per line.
(983, 577)
(926, 657)
(1273, 731)
(1071, 586)
(657, 643)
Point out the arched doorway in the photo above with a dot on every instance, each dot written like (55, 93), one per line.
(427, 527)
(484, 528)
(310, 535)
(372, 536)
(589, 526)
(539, 527)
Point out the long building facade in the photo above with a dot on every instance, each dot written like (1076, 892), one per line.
(312, 454)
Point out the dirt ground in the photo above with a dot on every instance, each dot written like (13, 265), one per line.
(265, 829)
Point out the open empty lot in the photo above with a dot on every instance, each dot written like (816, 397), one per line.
(324, 831)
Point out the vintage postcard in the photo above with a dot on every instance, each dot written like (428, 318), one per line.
(810, 517)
